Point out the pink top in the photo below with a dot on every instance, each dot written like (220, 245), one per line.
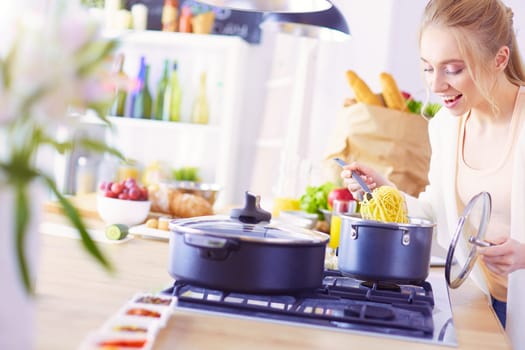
(497, 181)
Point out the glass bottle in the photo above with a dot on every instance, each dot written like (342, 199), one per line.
(137, 86)
(161, 90)
(143, 101)
(85, 175)
(200, 112)
(173, 97)
(170, 16)
(119, 103)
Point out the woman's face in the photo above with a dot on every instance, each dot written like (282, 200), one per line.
(446, 72)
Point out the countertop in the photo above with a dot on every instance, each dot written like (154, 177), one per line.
(75, 296)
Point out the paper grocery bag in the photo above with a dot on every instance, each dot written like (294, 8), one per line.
(395, 143)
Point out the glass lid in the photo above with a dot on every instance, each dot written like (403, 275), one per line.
(224, 226)
(469, 236)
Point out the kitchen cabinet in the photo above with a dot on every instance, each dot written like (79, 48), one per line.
(213, 147)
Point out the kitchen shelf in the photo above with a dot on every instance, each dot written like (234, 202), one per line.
(161, 124)
(212, 147)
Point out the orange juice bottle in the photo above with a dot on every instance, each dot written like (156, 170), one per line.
(338, 207)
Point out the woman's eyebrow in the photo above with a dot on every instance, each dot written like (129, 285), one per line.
(452, 60)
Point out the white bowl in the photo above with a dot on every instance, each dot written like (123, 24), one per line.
(298, 218)
(120, 211)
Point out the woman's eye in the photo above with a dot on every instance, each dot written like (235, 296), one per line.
(453, 71)
(427, 69)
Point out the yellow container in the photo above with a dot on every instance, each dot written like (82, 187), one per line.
(128, 170)
(284, 203)
(338, 207)
(335, 230)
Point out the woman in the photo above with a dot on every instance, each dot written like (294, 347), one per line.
(470, 60)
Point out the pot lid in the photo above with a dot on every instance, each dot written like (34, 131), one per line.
(264, 232)
(250, 223)
(469, 236)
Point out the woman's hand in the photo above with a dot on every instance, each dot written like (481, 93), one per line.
(506, 256)
(371, 177)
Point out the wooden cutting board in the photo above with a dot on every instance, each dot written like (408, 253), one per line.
(86, 204)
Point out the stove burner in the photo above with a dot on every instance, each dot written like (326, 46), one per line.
(341, 302)
(370, 311)
(382, 286)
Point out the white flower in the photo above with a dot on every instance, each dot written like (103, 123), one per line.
(51, 62)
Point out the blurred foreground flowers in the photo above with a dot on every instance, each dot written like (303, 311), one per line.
(56, 62)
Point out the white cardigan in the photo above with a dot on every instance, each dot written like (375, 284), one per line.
(438, 202)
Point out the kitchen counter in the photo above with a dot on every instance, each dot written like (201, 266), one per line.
(76, 296)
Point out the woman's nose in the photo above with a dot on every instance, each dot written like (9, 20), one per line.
(438, 82)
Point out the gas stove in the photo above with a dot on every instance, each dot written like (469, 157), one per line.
(419, 312)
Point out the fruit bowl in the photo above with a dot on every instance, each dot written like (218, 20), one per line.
(122, 211)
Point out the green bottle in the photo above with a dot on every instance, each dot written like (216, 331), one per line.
(142, 107)
(119, 103)
(200, 112)
(173, 97)
(161, 90)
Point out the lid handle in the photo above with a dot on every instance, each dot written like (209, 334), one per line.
(252, 213)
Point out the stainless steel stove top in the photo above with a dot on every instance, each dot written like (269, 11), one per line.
(408, 312)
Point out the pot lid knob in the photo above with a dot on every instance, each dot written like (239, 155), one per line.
(252, 213)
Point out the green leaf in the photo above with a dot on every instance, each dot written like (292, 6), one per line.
(22, 217)
(74, 217)
(92, 54)
(101, 109)
(431, 109)
(414, 106)
(100, 147)
(60, 147)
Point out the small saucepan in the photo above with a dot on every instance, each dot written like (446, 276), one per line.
(388, 252)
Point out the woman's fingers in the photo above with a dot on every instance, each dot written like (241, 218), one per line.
(504, 258)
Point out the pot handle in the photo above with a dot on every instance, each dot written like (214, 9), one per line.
(405, 237)
(211, 247)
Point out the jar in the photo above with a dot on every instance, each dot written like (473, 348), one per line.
(85, 176)
(129, 169)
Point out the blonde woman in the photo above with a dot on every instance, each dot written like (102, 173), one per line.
(470, 60)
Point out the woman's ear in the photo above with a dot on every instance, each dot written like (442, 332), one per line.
(502, 57)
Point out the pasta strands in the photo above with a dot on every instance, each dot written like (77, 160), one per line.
(387, 205)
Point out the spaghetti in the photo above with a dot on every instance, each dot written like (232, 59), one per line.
(387, 204)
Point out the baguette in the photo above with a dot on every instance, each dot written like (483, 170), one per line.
(391, 93)
(361, 91)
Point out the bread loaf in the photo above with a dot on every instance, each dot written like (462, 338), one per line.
(187, 205)
(391, 93)
(361, 91)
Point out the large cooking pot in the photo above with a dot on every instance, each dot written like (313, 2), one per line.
(246, 252)
(388, 252)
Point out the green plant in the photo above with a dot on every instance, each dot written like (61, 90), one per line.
(93, 3)
(56, 62)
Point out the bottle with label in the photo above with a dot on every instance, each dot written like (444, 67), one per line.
(170, 16)
(200, 112)
(119, 104)
(142, 104)
(185, 20)
(173, 97)
(161, 90)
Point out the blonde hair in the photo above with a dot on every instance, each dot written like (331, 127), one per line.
(481, 28)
